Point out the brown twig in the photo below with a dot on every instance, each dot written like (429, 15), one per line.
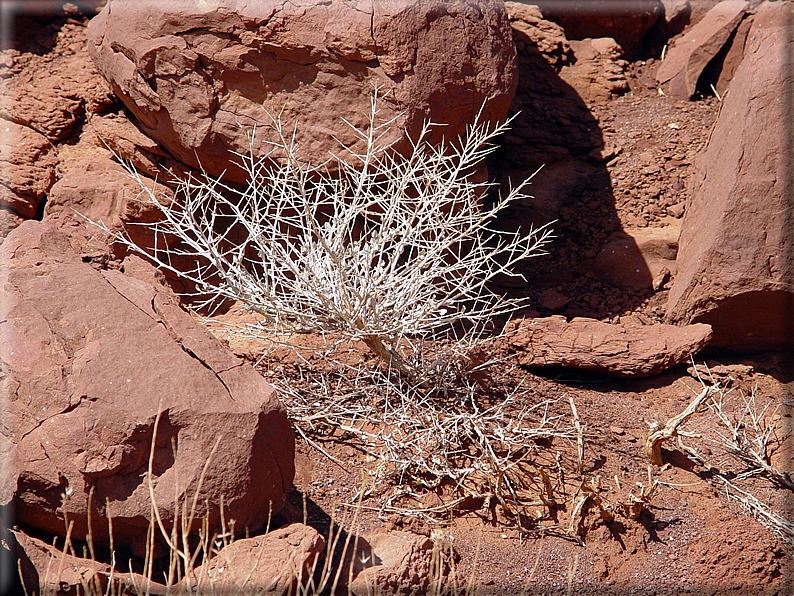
(653, 445)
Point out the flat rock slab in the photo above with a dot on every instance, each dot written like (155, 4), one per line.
(199, 76)
(736, 254)
(618, 350)
(685, 60)
(90, 357)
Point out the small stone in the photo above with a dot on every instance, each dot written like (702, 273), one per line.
(553, 300)
(676, 210)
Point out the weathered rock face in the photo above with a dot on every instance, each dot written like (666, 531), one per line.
(735, 267)
(27, 168)
(199, 76)
(39, 110)
(686, 59)
(277, 562)
(89, 359)
(619, 350)
(552, 122)
(397, 563)
(598, 72)
(625, 22)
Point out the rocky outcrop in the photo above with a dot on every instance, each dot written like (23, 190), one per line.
(599, 70)
(588, 344)
(41, 105)
(735, 268)
(277, 563)
(199, 76)
(92, 359)
(27, 168)
(687, 58)
(52, 104)
(625, 22)
(399, 563)
(552, 122)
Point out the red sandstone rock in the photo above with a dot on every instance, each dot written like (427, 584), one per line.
(675, 16)
(27, 168)
(198, 79)
(639, 258)
(395, 563)
(91, 357)
(734, 53)
(276, 563)
(603, 347)
(51, 102)
(620, 264)
(598, 72)
(46, 570)
(625, 22)
(547, 38)
(686, 59)
(735, 268)
(552, 122)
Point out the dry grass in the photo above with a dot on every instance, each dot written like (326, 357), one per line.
(459, 440)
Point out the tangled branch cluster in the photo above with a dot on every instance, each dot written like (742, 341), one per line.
(387, 248)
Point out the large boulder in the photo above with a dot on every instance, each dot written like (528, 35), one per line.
(735, 268)
(91, 359)
(199, 76)
(688, 57)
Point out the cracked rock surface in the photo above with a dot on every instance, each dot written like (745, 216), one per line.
(620, 350)
(199, 76)
(90, 356)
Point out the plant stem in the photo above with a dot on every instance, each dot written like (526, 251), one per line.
(392, 358)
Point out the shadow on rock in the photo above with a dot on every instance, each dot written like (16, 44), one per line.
(593, 268)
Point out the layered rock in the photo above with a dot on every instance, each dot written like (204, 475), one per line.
(588, 344)
(27, 168)
(200, 76)
(93, 359)
(735, 268)
(552, 121)
(599, 71)
(41, 107)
